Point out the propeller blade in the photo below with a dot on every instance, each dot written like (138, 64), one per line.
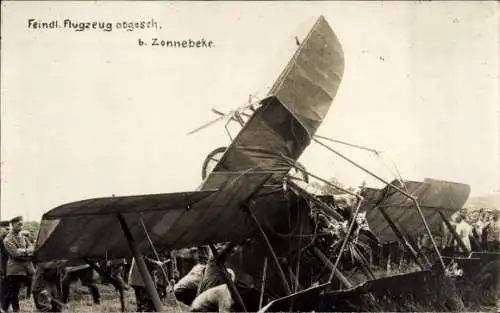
(220, 118)
(218, 112)
(230, 115)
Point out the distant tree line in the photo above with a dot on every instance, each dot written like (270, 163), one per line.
(32, 227)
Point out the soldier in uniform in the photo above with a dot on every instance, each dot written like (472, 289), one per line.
(3, 259)
(493, 233)
(143, 301)
(19, 265)
(45, 292)
(214, 274)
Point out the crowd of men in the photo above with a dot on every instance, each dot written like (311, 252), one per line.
(42, 282)
(478, 230)
(202, 289)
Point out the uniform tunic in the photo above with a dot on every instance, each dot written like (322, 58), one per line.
(18, 262)
(19, 269)
(464, 231)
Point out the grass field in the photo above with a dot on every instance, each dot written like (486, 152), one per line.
(81, 301)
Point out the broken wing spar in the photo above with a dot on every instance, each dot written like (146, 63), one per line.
(283, 125)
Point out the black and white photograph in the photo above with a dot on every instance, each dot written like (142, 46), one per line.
(247, 156)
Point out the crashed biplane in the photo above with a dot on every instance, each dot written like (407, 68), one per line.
(248, 198)
(239, 198)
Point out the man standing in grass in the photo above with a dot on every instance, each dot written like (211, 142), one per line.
(143, 301)
(4, 230)
(19, 265)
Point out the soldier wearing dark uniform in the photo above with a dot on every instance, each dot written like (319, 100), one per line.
(3, 259)
(45, 291)
(214, 274)
(164, 272)
(143, 300)
(19, 265)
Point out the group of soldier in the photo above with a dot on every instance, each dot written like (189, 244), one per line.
(202, 289)
(478, 231)
(17, 270)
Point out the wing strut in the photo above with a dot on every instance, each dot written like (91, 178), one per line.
(139, 259)
(415, 201)
(401, 237)
(267, 244)
(320, 255)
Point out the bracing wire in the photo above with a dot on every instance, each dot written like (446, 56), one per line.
(141, 219)
(405, 192)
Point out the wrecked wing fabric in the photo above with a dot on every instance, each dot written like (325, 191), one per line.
(296, 105)
(90, 229)
(310, 81)
(432, 196)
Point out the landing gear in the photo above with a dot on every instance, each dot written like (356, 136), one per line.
(211, 161)
(215, 156)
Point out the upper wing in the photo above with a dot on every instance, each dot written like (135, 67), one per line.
(90, 229)
(432, 196)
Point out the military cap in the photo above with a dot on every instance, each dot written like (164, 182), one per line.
(16, 219)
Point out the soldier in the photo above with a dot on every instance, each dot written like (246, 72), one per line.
(3, 259)
(214, 274)
(45, 291)
(186, 289)
(116, 270)
(19, 266)
(143, 300)
(493, 233)
(484, 224)
(164, 273)
(215, 299)
(28, 279)
(464, 231)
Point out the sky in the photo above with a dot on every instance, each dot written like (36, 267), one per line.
(91, 113)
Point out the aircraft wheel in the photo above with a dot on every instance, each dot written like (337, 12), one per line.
(211, 161)
(214, 157)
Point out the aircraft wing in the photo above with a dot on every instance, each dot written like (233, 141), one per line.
(432, 196)
(90, 229)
